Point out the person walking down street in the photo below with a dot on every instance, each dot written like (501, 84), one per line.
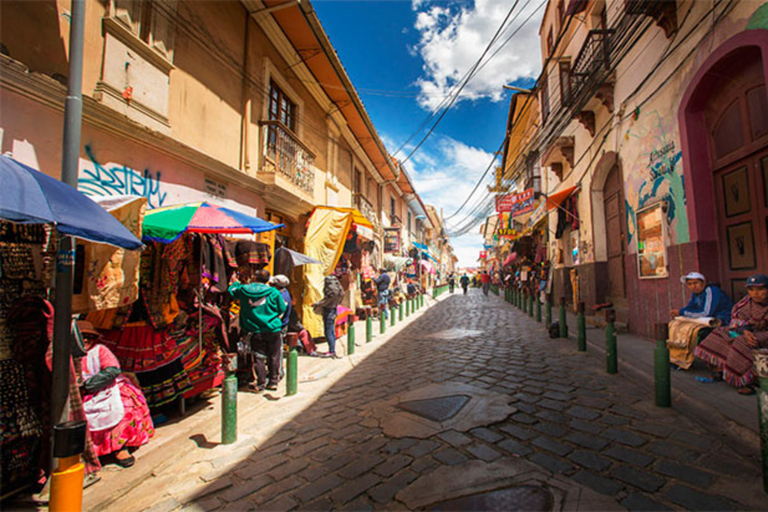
(261, 317)
(382, 287)
(464, 283)
(282, 282)
(332, 295)
(451, 281)
(485, 279)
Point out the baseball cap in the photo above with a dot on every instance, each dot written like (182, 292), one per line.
(693, 275)
(280, 281)
(757, 280)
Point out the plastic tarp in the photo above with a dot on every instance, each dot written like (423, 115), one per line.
(427, 266)
(394, 262)
(324, 241)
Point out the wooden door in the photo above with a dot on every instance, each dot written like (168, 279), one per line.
(613, 199)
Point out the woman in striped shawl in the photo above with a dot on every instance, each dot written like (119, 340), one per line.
(729, 350)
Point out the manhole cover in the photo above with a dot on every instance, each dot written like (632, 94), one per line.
(436, 409)
(525, 497)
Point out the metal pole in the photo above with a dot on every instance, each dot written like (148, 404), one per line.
(382, 323)
(611, 354)
(65, 258)
(407, 308)
(549, 310)
(391, 317)
(581, 327)
(530, 304)
(351, 338)
(400, 311)
(538, 308)
(563, 324)
(661, 367)
(368, 326)
(229, 405)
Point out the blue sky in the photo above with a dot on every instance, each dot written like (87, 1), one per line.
(404, 57)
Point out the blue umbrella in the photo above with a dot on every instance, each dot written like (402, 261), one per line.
(28, 196)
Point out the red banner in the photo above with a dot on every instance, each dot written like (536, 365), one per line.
(515, 204)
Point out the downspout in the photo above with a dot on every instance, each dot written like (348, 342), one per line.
(245, 161)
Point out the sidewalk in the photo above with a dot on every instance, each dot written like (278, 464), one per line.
(260, 416)
(716, 406)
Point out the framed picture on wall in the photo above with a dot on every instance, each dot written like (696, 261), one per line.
(736, 191)
(741, 246)
(651, 241)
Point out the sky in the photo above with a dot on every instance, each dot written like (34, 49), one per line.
(405, 57)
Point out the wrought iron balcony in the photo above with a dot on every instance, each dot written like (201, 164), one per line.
(592, 63)
(366, 208)
(285, 153)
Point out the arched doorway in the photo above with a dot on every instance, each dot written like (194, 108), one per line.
(615, 233)
(725, 114)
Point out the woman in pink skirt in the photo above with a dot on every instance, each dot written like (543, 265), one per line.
(117, 413)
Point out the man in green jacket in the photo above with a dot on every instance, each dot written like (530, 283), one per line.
(261, 309)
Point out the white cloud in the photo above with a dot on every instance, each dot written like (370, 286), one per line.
(454, 35)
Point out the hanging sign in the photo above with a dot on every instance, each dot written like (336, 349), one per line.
(515, 204)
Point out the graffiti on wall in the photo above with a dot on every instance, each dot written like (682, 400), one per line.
(655, 174)
(113, 179)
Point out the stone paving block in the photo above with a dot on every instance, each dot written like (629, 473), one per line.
(318, 487)
(526, 408)
(311, 473)
(600, 404)
(450, 457)
(301, 449)
(557, 395)
(203, 505)
(363, 463)
(629, 455)
(552, 429)
(398, 445)
(279, 488)
(422, 447)
(640, 502)
(623, 410)
(614, 421)
(358, 505)
(527, 397)
(552, 445)
(554, 417)
(726, 463)
(642, 479)
(515, 447)
(683, 472)
(486, 434)
(165, 506)
(587, 440)
(385, 491)
(290, 468)
(598, 483)
(454, 438)
(694, 500)
(582, 413)
(590, 460)
(624, 437)
(483, 452)
(651, 428)
(698, 442)
(551, 463)
(282, 503)
(673, 451)
(585, 426)
(555, 405)
(424, 465)
(213, 487)
(318, 505)
(392, 465)
(354, 488)
(240, 491)
(258, 467)
(560, 387)
(342, 459)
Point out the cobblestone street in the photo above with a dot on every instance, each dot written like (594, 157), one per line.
(588, 433)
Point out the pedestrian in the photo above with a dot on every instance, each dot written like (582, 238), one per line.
(261, 317)
(281, 282)
(485, 279)
(382, 287)
(464, 283)
(451, 281)
(332, 295)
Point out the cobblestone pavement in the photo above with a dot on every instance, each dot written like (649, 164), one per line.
(572, 419)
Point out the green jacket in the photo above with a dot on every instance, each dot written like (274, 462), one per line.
(261, 307)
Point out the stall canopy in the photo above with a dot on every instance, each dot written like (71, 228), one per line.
(554, 200)
(510, 259)
(427, 267)
(425, 251)
(167, 224)
(395, 263)
(324, 241)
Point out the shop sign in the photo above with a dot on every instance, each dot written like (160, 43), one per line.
(651, 245)
(507, 232)
(515, 204)
(392, 240)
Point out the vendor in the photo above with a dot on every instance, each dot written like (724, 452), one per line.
(707, 300)
(117, 413)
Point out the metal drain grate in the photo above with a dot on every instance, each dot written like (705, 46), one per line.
(525, 497)
(436, 409)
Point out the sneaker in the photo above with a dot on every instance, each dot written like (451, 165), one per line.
(272, 386)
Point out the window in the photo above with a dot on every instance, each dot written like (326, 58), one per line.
(392, 209)
(565, 82)
(281, 108)
(149, 20)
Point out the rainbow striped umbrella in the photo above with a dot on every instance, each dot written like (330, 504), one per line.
(167, 224)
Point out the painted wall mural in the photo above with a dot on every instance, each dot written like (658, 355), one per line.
(654, 173)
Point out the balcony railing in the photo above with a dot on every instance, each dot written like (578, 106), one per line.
(594, 58)
(284, 153)
(366, 208)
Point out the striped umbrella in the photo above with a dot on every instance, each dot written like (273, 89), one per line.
(167, 224)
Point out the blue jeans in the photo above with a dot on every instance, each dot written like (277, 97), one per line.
(383, 301)
(329, 326)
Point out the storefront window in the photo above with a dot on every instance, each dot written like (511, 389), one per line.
(651, 246)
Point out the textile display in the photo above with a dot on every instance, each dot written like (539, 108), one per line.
(163, 272)
(683, 336)
(111, 274)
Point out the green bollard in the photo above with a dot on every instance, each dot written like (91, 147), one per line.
(530, 304)
(368, 326)
(581, 328)
(611, 354)
(391, 317)
(407, 308)
(538, 307)
(661, 367)
(434, 293)
(761, 368)
(292, 369)
(382, 323)
(520, 298)
(351, 339)
(229, 402)
(549, 310)
(421, 300)
(524, 306)
(563, 324)
(400, 311)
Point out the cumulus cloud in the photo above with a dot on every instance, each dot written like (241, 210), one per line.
(453, 35)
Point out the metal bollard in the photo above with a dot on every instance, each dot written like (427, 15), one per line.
(563, 324)
(611, 354)
(407, 307)
(548, 298)
(421, 300)
(351, 337)
(382, 323)
(292, 369)
(67, 478)
(531, 298)
(400, 311)
(391, 317)
(661, 366)
(229, 400)
(525, 301)
(368, 326)
(761, 368)
(538, 307)
(581, 327)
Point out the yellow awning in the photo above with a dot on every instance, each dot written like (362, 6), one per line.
(357, 216)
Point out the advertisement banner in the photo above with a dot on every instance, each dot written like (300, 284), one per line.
(515, 204)
(392, 240)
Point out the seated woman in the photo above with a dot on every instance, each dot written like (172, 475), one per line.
(707, 300)
(729, 350)
(117, 413)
